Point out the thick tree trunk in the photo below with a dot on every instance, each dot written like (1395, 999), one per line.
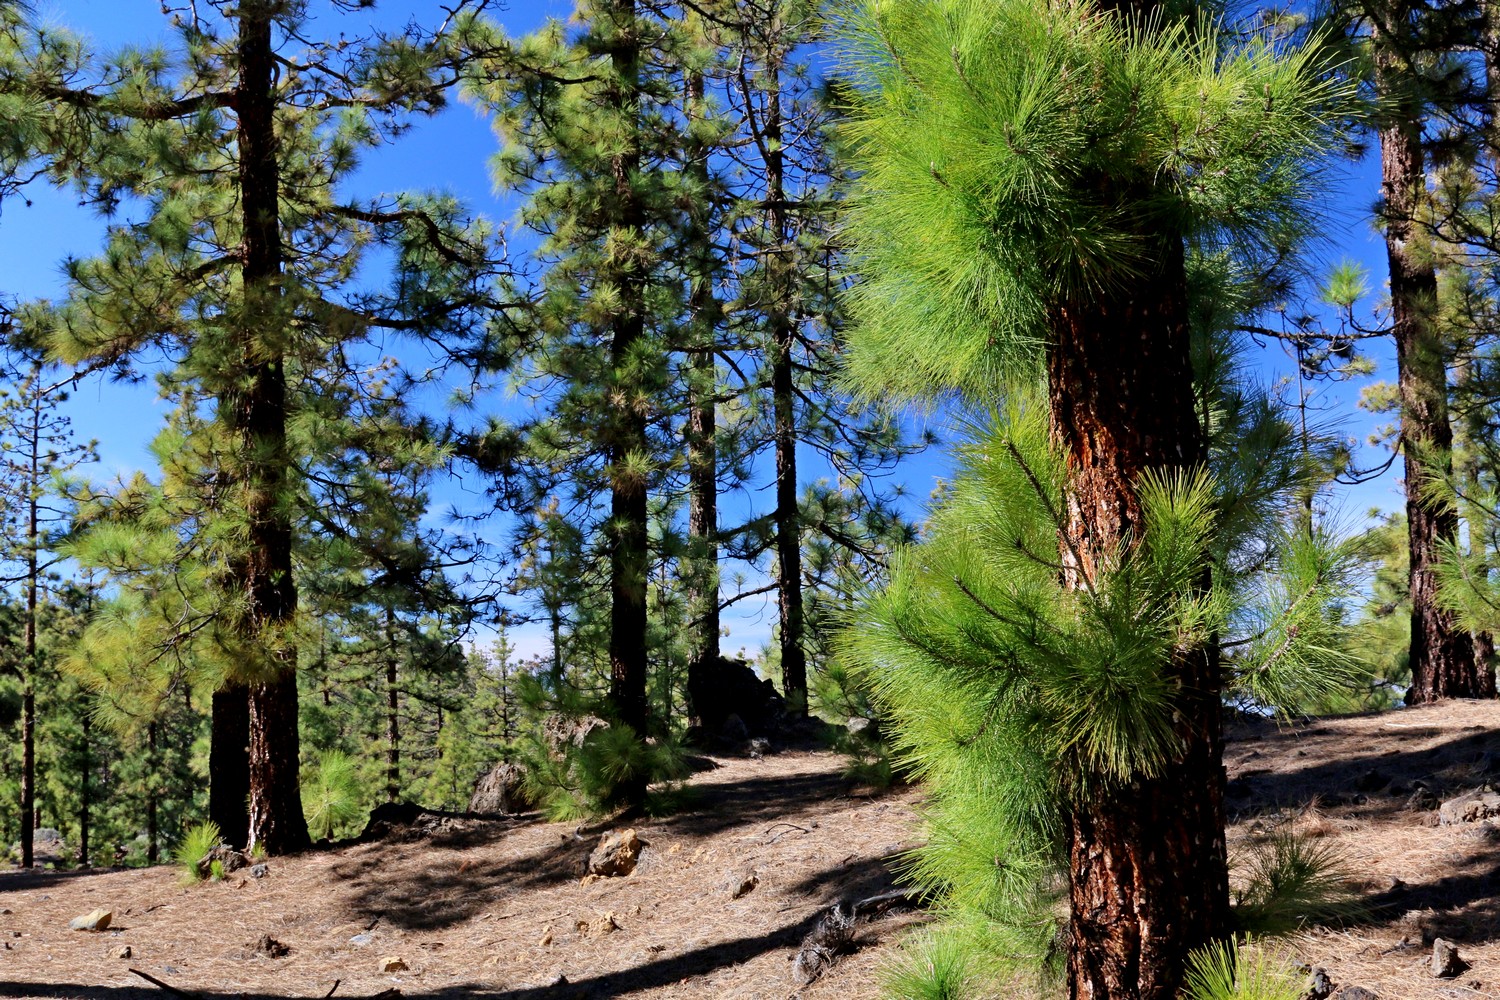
(628, 563)
(1148, 869)
(702, 428)
(229, 763)
(1443, 664)
(255, 406)
(276, 819)
(780, 312)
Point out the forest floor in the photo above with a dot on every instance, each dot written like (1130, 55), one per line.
(726, 890)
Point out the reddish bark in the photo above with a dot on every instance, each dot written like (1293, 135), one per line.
(1442, 659)
(1148, 869)
(254, 404)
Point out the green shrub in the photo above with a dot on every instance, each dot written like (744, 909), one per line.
(1223, 972)
(1290, 881)
(196, 842)
(332, 796)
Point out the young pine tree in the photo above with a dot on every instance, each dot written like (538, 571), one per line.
(1033, 180)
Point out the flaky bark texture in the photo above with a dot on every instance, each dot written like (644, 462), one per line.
(1443, 663)
(1148, 870)
(255, 408)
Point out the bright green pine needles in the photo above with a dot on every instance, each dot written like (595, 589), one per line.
(1015, 698)
(984, 130)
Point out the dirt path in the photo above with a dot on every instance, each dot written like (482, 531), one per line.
(498, 910)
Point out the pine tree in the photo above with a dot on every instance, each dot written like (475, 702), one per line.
(1033, 179)
(243, 264)
(36, 446)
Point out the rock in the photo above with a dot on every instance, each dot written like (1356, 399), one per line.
(1446, 962)
(45, 835)
(260, 871)
(1355, 993)
(1372, 780)
(121, 952)
(1469, 808)
(1423, 799)
(270, 947)
(618, 853)
(746, 887)
(501, 791)
(360, 940)
(599, 923)
(228, 858)
(733, 729)
(392, 963)
(728, 687)
(1319, 986)
(96, 921)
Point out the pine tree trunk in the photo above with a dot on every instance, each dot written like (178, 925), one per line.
(784, 402)
(255, 407)
(1443, 664)
(84, 792)
(229, 763)
(392, 715)
(628, 563)
(153, 829)
(29, 638)
(1148, 868)
(703, 458)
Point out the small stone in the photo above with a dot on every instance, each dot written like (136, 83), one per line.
(545, 939)
(169, 970)
(260, 871)
(618, 852)
(1372, 781)
(600, 923)
(759, 747)
(360, 940)
(121, 952)
(1446, 962)
(391, 963)
(1423, 799)
(1354, 993)
(4, 911)
(1319, 986)
(96, 921)
(1469, 808)
(270, 947)
(747, 885)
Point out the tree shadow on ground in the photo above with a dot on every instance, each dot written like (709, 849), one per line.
(1377, 787)
(22, 880)
(664, 971)
(435, 898)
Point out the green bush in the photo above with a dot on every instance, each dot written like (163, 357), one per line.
(1223, 972)
(196, 842)
(332, 796)
(1290, 881)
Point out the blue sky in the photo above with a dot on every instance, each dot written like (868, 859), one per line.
(450, 152)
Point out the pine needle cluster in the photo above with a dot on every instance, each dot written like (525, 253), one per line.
(983, 129)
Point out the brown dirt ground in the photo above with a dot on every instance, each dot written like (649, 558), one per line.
(497, 909)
